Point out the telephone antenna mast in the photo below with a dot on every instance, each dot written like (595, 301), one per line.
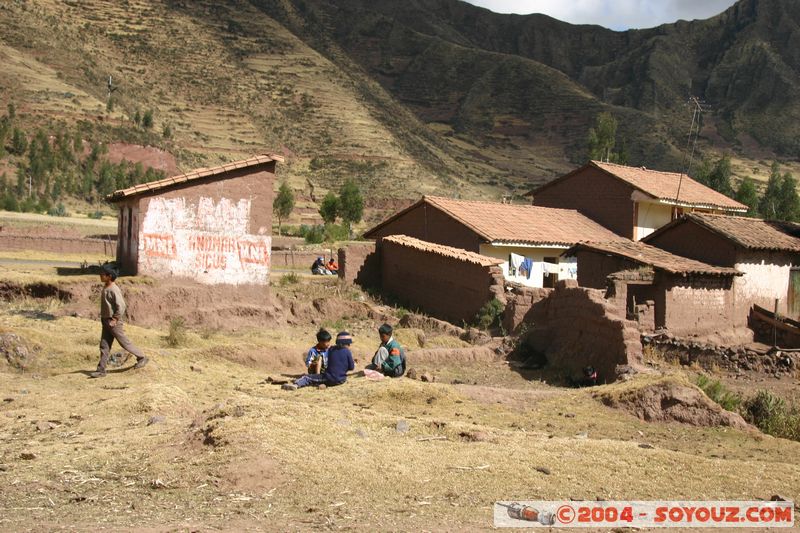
(691, 141)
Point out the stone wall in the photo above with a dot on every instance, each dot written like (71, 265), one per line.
(575, 327)
(360, 264)
(442, 286)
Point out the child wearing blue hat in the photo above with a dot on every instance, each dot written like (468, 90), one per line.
(340, 362)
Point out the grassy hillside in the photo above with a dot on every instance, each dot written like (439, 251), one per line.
(407, 98)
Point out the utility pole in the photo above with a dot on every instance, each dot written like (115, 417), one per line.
(698, 108)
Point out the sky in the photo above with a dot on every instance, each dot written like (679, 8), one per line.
(614, 14)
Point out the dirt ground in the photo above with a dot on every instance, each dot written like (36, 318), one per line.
(200, 440)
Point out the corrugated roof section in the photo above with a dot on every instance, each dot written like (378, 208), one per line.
(656, 257)
(664, 186)
(195, 174)
(446, 251)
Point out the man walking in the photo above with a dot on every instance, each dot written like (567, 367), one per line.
(112, 309)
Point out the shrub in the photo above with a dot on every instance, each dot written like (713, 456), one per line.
(315, 234)
(717, 392)
(289, 279)
(58, 211)
(96, 215)
(335, 232)
(489, 315)
(177, 332)
(771, 415)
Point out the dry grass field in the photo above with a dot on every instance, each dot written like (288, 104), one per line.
(199, 440)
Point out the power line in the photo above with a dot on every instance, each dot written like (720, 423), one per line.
(697, 109)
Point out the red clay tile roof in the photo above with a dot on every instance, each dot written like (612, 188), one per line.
(655, 257)
(446, 251)
(663, 186)
(750, 233)
(507, 223)
(195, 174)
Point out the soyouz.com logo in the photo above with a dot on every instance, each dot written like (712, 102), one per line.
(749, 514)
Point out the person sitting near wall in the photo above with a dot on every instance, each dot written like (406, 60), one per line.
(390, 358)
(589, 377)
(319, 268)
(333, 266)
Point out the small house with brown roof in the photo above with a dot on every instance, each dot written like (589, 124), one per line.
(631, 201)
(659, 289)
(213, 225)
(767, 253)
(529, 240)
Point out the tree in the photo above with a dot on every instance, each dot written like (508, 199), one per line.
(720, 177)
(147, 119)
(748, 195)
(351, 204)
(283, 204)
(19, 143)
(788, 200)
(329, 208)
(602, 138)
(768, 207)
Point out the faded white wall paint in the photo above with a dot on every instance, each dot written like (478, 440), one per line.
(651, 216)
(208, 241)
(568, 266)
(761, 284)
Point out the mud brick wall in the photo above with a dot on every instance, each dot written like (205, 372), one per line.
(581, 191)
(429, 224)
(361, 264)
(444, 287)
(296, 259)
(521, 301)
(215, 230)
(695, 305)
(58, 245)
(575, 327)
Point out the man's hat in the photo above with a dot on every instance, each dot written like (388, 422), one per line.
(344, 339)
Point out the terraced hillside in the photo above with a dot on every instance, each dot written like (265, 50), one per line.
(408, 98)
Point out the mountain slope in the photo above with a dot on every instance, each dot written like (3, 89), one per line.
(422, 96)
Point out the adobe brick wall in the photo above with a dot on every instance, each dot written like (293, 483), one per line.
(594, 268)
(225, 221)
(695, 242)
(430, 224)
(575, 327)
(443, 287)
(601, 197)
(361, 264)
(520, 302)
(58, 245)
(695, 305)
(297, 259)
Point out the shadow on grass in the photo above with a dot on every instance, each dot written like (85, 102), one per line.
(78, 271)
(36, 315)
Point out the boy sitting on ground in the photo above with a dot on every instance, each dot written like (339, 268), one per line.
(317, 356)
(390, 357)
(340, 362)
